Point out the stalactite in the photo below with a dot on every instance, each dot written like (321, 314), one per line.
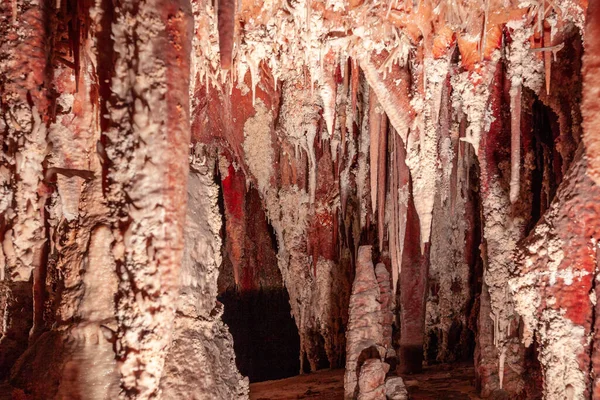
(305, 228)
(413, 284)
(363, 171)
(382, 160)
(328, 91)
(234, 189)
(446, 307)
(375, 120)
(515, 142)
(226, 26)
(111, 250)
(502, 229)
(547, 57)
(394, 99)
(394, 217)
(429, 77)
(403, 193)
(344, 111)
(355, 87)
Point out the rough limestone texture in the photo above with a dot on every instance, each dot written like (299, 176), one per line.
(371, 382)
(590, 107)
(364, 337)
(23, 131)
(554, 285)
(148, 147)
(201, 361)
(395, 389)
(497, 342)
(93, 201)
(71, 343)
(108, 278)
(386, 300)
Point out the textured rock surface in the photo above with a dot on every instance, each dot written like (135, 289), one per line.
(109, 189)
(371, 381)
(434, 139)
(413, 294)
(395, 389)
(364, 337)
(591, 90)
(554, 289)
(386, 300)
(201, 361)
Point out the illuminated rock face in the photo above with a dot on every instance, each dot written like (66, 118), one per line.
(157, 156)
(365, 332)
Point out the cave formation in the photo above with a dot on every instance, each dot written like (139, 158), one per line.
(198, 196)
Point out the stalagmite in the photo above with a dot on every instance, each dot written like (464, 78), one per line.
(371, 381)
(199, 196)
(386, 300)
(395, 389)
(364, 337)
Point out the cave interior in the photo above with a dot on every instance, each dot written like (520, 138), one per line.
(299, 199)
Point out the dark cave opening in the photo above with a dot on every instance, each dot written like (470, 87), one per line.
(256, 307)
(265, 337)
(457, 343)
(474, 210)
(546, 175)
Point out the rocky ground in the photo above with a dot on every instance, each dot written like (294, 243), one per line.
(449, 382)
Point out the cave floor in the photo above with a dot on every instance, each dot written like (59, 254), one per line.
(444, 381)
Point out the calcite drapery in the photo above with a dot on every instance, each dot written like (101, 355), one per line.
(357, 123)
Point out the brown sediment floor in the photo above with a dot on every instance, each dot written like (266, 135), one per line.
(448, 382)
(444, 381)
(326, 384)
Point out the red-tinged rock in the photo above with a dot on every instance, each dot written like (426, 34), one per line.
(371, 381)
(413, 295)
(553, 282)
(590, 107)
(386, 300)
(24, 115)
(364, 335)
(234, 192)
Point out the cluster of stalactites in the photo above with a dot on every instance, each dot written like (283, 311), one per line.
(404, 94)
